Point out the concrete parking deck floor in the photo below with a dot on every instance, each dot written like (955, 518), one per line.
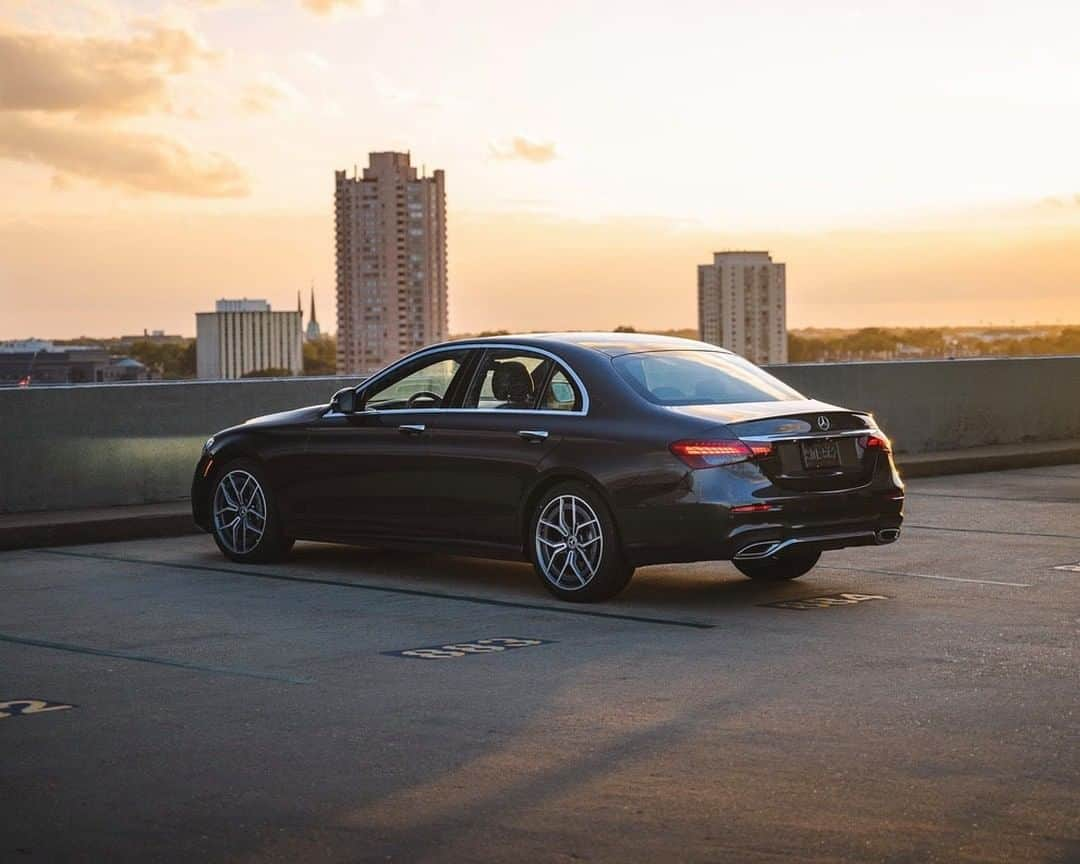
(254, 714)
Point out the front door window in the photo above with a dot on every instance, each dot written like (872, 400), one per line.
(426, 384)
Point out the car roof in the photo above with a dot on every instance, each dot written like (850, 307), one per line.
(608, 343)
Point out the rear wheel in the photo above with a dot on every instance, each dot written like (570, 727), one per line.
(575, 548)
(246, 526)
(790, 564)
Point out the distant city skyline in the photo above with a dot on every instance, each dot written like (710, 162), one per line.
(191, 154)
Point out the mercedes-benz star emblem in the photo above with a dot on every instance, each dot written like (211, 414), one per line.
(823, 423)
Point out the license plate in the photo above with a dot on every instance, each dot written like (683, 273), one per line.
(820, 454)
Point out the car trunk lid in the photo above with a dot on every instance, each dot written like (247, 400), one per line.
(815, 446)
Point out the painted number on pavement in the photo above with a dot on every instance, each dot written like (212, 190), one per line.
(826, 601)
(465, 649)
(21, 707)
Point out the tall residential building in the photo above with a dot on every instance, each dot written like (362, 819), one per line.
(390, 227)
(742, 305)
(245, 336)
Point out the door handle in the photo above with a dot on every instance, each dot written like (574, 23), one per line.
(412, 428)
(533, 436)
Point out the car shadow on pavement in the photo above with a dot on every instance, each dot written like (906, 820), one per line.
(702, 587)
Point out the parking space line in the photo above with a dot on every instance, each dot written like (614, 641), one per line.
(908, 526)
(144, 658)
(930, 576)
(1029, 473)
(1047, 500)
(386, 589)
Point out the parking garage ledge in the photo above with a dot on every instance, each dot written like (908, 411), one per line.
(996, 457)
(173, 518)
(96, 525)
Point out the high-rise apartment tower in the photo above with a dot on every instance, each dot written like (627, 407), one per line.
(742, 305)
(390, 227)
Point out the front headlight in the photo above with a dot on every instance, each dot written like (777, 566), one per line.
(209, 443)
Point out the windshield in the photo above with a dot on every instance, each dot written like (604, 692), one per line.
(700, 378)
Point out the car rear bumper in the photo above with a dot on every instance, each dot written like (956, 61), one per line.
(717, 539)
(703, 521)
(767, 548)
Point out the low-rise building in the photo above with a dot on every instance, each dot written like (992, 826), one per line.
(245, 336)
(155, 337)
(34, 362)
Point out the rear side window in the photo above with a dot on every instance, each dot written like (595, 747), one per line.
(700, 378)
(560, 394)
(509, 379)
(520, 380)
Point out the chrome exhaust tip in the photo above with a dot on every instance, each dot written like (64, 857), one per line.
(758, 550)
(888, 535)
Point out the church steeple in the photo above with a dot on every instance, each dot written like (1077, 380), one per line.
(313, 330)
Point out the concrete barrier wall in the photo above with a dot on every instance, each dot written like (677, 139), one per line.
(96, 446)
(932, 405)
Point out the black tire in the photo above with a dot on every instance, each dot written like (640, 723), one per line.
(272, 545)
(790, 564)
(595, 553)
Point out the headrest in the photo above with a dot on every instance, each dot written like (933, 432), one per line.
(511, 382)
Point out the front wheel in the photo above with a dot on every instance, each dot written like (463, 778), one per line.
(575, 548)
(246, 526)
(787, 565)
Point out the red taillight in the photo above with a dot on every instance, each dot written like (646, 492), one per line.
(877, 442)
(755, 508)
(709, 454)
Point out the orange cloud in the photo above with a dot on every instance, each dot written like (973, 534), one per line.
(319, 7)
(1053, 203)
(325, 7)
(52, 111)
(525, 150)
(115, 157)
(261, 98)
(94, 75)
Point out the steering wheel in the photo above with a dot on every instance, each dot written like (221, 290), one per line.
(423, 394)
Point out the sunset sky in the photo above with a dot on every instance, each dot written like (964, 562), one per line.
(912, 163)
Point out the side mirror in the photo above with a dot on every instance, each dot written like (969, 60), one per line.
(344, 401)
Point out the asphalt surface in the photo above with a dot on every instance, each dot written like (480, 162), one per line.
(223, 713)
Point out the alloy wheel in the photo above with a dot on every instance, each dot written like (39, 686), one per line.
(239, 511)
(569, 542)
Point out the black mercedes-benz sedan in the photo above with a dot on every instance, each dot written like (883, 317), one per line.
(588, 454)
